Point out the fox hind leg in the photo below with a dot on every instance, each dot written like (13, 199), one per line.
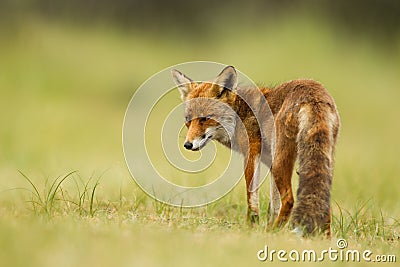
(282, 169)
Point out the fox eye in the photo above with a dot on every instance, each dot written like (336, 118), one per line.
(188, 118)
(206, 118)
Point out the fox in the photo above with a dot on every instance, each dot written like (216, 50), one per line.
(306, 124)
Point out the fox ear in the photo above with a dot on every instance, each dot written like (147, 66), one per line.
(183, 83)
(227, 79)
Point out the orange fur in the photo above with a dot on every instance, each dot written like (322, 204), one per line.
(307, 125)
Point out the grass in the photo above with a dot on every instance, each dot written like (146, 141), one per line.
(64, 90)
(63, 213)
(360, 223)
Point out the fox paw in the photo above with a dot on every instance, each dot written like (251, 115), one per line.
(298, 231)
(253, 217)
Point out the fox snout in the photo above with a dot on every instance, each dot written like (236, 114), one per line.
(199, 134)
(198, 142)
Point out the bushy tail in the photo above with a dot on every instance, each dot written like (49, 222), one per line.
(318, 128)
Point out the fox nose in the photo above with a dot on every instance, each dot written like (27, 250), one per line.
(188, 145)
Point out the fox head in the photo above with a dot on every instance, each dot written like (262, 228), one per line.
(208, 112)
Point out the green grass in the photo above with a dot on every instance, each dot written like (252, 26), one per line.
(70, 226)
(64, 91)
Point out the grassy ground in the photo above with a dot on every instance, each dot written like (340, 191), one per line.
(64, 90)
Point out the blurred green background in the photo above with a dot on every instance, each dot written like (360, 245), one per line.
(69, 68)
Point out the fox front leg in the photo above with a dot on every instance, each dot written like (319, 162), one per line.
(252, 176)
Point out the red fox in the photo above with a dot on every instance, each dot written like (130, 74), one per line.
(307, 125)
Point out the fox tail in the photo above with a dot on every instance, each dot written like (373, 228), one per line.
(318, 129)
